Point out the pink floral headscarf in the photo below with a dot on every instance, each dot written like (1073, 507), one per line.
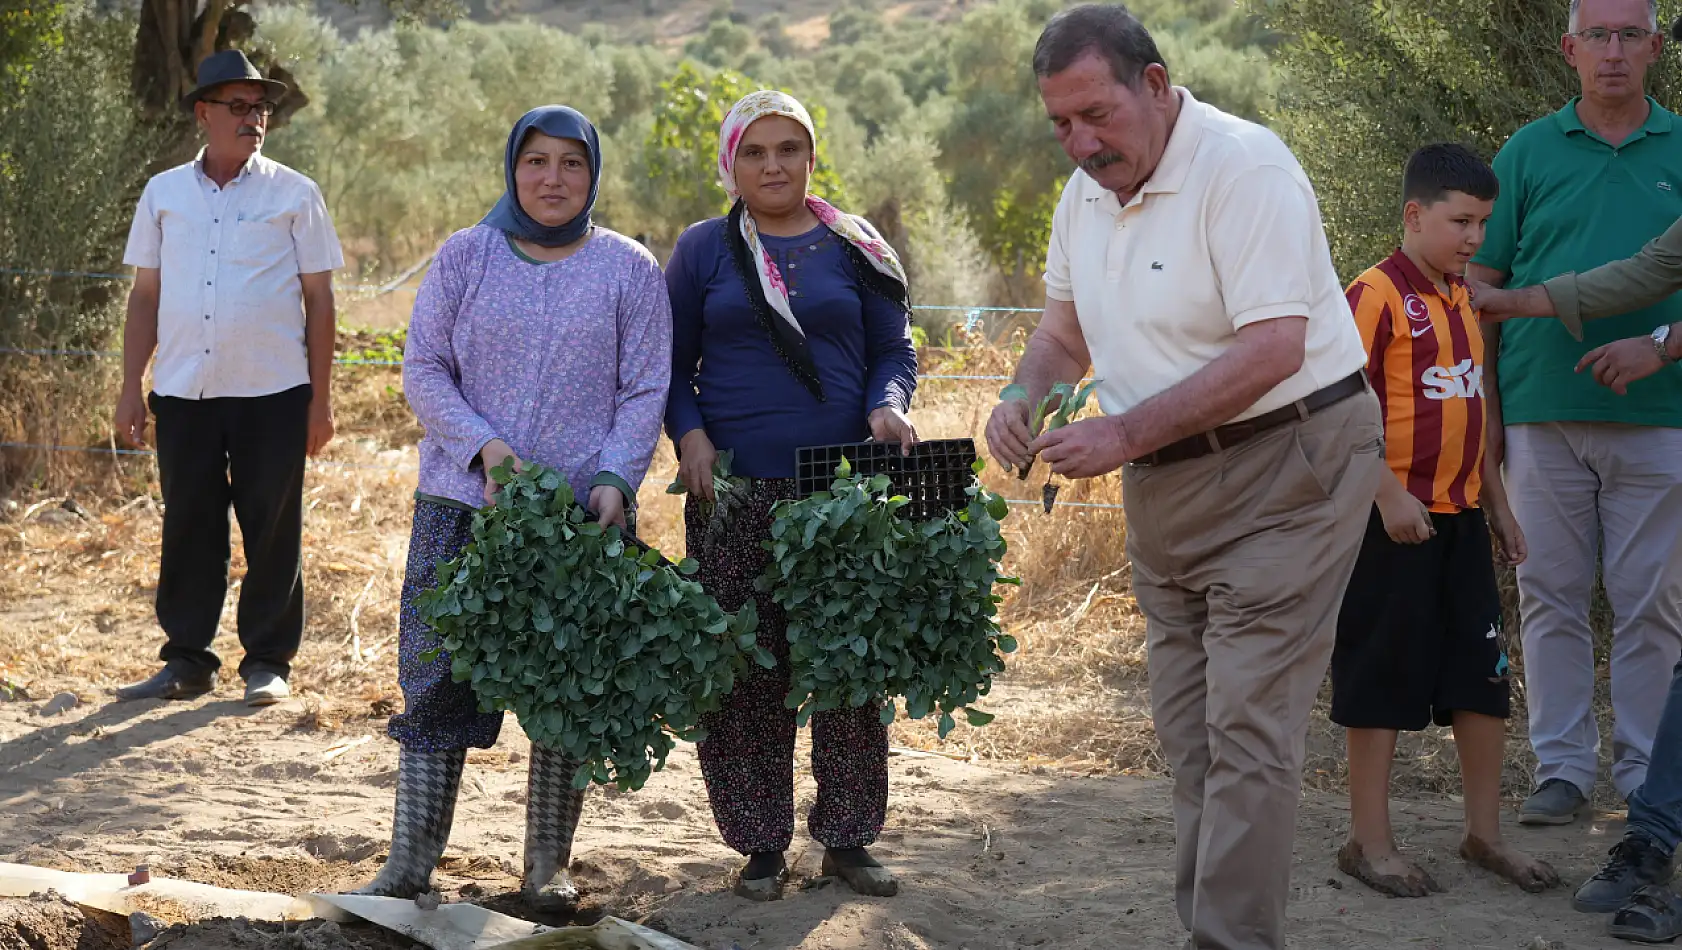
(851, 228)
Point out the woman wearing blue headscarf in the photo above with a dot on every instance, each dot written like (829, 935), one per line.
(536, 336)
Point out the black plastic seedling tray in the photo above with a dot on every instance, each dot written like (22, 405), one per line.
(936, 476)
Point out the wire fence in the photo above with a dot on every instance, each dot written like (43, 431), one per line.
(354, 361)
(973, 315)
(398, 469)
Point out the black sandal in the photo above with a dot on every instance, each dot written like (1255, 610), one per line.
(1651, 915)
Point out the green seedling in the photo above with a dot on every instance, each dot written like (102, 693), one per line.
(882, 608)
(730, 491)
(1056, 410)
(605, 651)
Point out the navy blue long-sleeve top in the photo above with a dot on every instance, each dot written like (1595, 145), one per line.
(729, 380)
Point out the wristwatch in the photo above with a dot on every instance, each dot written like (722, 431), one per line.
(1661, 342)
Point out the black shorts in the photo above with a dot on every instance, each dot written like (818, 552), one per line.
(1419, 636)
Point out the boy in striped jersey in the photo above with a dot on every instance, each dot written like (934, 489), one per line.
(1419, 635)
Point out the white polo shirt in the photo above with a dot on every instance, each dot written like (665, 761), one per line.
(231, 308)
(1226, 233)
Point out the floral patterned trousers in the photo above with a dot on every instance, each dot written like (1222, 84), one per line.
(748, 754)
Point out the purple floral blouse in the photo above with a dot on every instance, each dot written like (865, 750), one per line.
(568, 362)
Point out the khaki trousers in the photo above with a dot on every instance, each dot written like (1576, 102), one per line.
(1240, 560)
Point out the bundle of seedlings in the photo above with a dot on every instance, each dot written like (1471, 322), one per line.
(1056, 410)
(605, 650)
(881, 607)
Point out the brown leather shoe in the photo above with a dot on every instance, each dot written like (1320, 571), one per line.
(168, 683)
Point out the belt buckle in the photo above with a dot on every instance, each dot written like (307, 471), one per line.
(1231, 434)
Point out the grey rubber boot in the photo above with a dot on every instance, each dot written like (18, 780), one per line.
(553, 808)
(427, 783)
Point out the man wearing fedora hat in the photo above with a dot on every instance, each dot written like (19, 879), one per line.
(233, 257)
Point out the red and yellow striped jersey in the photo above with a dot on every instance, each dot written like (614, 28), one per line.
(1425, 361)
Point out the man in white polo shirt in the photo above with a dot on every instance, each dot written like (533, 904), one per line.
(233, 258)
(1189, 269)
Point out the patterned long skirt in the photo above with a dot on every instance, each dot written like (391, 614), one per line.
(438, 713)
(748, 755)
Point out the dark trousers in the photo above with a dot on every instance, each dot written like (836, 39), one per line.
(248, 453)
(747, 758)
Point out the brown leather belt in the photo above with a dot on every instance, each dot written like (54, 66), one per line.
(1233, 433)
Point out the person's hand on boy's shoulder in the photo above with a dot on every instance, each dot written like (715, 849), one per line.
(1499, 304)
(1509, 538)
(1406, 519)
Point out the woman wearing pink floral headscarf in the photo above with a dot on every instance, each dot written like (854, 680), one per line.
(790, 328)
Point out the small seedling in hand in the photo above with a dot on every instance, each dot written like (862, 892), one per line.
(1056, 410)
(730, 491)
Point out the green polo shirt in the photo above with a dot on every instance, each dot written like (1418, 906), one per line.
(1571, 201)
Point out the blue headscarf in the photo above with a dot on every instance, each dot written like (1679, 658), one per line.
(562, 123)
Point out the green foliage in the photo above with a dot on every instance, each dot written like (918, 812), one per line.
(1364, 84)
(26, 31)
(905, 196)
(72, 159)
(722, 43)
(854, 26)
(378, 346)
(881, 607)
(935, 129)
(73, 156)
(406, 129)
(683, 145)
(1005, 168)
(604, 652)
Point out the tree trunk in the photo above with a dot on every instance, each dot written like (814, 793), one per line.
(175, 36)
(162, 74)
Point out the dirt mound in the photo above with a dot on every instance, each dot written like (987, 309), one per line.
(52, 923)
(223, 934)
(281, 874)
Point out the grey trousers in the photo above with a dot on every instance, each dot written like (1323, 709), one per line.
(1240, 560)
(1580, 490)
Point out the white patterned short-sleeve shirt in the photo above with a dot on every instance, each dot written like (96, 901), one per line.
(230, 310)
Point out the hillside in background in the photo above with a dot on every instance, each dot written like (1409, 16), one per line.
(668, 22)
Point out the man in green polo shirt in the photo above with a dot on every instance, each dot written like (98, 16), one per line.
(1589, 469)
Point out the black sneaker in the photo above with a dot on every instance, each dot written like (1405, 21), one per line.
(1636, 862)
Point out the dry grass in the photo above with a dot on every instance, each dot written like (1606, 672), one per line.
(75, 595)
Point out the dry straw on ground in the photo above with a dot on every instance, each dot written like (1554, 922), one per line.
(76, 592)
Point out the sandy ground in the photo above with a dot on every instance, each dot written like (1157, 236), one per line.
(1057, 834)
(990, 858)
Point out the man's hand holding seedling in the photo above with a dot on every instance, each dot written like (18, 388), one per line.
(1084, 449)
(1046, 427)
